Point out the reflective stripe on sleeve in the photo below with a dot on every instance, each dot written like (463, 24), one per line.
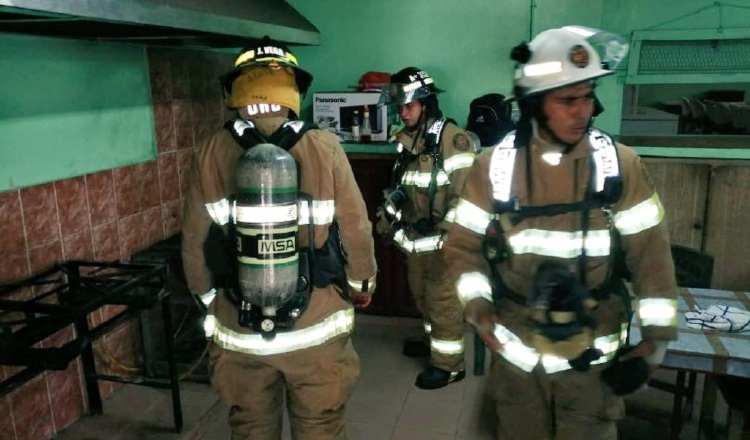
(526, 358)
(427, 327)
(657, 311)
(458, 161)
(323, 212)
(472, 217)
(640, 217)
(209, 325)
(446, 347)
(560, 244)
(514, 351)
(208, 297)
(219, 211)
(339, 323)
(358, 285)
(422, 180)
(473, 285)
(450, 216)
(419, 245)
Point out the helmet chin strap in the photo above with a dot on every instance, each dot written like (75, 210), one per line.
(420, 128)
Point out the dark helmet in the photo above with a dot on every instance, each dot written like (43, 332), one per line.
(411, 84)
(263, 53)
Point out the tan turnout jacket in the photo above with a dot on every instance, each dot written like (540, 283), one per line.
(638, 216)
(325, 174)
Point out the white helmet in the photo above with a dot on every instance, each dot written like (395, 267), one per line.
(561, 57)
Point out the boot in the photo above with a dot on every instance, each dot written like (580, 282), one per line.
(433, 378)
(415, 348)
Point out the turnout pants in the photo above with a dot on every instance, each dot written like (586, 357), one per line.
(437, 300)
(568, 405)
(316, 381)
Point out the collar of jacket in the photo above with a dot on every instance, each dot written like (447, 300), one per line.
(581, 150)
(406, 137)
(268, 125)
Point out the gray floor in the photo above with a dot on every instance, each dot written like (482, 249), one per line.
(385, 405)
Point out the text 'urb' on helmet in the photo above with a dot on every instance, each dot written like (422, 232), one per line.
(561, 57)
(267, 52)
(409, 84)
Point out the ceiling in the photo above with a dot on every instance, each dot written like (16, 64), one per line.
(193, 23)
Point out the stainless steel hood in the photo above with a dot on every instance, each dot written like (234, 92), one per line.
(194, 23)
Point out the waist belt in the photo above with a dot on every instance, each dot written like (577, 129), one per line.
(338, 323)
(526, 358)
(611, 285)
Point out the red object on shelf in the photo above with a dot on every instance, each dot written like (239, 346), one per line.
(374, 80)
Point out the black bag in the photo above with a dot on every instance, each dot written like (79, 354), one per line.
(489, 118)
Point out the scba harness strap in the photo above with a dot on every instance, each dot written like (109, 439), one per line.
(318, 267)
(247, 135)
(605, 189)
(607, 181)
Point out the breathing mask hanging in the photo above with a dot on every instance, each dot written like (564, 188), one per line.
(395, 197)
(560, 316)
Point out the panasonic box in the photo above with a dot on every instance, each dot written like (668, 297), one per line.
(334, 111)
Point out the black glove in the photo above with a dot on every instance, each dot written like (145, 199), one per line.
(625, 377)
(583, 362)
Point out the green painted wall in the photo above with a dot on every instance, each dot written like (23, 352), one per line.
(464, 45)
(69, 108)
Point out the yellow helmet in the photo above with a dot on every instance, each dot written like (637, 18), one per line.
(263, 53)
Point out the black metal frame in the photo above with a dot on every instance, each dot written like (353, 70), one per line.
(65, 295)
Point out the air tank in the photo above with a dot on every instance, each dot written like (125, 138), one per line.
(266, 213)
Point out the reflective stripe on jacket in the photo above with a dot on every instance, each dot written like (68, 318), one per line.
(638, 216)
(324, 174)
(339, 323)
(526, 358)
(458, 153)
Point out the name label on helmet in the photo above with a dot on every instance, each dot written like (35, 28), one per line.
(273, 50)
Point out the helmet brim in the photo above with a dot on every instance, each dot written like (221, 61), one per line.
(302, 77)
(558, 85)
(394, 93)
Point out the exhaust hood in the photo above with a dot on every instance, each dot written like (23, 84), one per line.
(193, 23)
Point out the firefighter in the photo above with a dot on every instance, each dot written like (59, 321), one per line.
(544, 221)
(434, 159)
(311, 363)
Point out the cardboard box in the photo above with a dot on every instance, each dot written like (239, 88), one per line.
(334, 111)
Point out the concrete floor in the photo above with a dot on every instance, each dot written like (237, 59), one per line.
(385, 405)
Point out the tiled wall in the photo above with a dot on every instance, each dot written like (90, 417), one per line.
(106, 216)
